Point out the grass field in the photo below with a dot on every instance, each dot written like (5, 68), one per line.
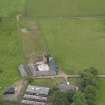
(77, 43)
(11, 8)
(66, 8)
(10, 53)
(101, 92)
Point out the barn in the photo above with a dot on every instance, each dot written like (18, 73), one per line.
(35, 95)
(40, 68)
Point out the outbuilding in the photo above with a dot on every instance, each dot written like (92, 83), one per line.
(37, 90)
(67, 87)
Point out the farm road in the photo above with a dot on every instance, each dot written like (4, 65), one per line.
(62, 76)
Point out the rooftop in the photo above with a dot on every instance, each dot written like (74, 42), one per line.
(43, 67)
(67, 87)
(37, 90)
(34, 97)
(27, 102)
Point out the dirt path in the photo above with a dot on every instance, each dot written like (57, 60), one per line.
(32, 41)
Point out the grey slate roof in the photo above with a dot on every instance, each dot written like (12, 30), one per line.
(34, 97)
(37, 90)
(52, 64)
(24, 70)
(28, 102)
(65, 87)
(9, 90)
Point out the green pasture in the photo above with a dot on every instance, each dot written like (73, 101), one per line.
(10, 53)
(64, 8)
(76, 44)
(11, 7)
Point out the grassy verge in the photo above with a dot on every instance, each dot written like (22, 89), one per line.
(101, 92)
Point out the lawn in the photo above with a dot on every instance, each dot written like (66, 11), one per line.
(75, 43)
(11, 7)
(66, 8)
(101, 92)
(11, 54)
(51, 83)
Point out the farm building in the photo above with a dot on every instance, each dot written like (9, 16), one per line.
(67, 87)
(10, 90)
(14, 92)
(40, 68)
(27, 102)
(35, 95)
(37, 90)
(24, 70)
(52, 65)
